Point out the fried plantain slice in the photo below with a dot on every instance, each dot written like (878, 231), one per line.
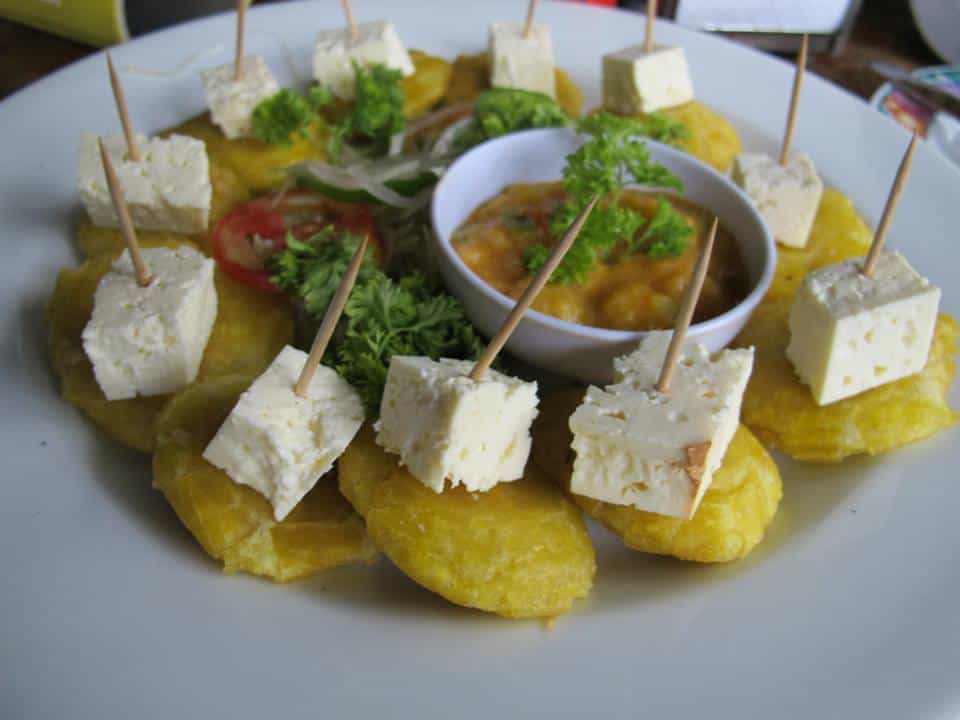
(259, 166)
(471, 76)
(228, 192)
(234, 523)
(520, 550)
(250, 330)
(731, 520)
(780, 409)
(428, 84)
(711, 138)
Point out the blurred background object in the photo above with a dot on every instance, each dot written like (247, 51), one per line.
(775, 25)
(105, 22)
(882, 30)
(939, 23)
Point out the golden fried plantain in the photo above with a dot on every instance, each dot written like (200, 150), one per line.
(711, 138)
(249, 331)
(251, 328)
(428, 84)
(780, 409)
(234, 523)
(259, 166)
(471, 76)
(732, 518)
(520, 550)
(228, 192)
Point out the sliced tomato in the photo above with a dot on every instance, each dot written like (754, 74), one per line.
(251, 232)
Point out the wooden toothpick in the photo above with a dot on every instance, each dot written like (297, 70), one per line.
(330, 320)
(893, 198)
(648, 30)
(530, 294)
(794, 100)
(132, 148)
(351, 23)
(687, 306)
(238, 56)
(528, 25)
(123, 215)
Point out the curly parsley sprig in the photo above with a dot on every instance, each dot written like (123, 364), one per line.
(287, 113)
(383, 317)
(377, 111)
(611, 158)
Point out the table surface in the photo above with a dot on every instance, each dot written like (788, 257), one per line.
(884, 30)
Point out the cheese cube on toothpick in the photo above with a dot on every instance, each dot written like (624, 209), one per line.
(279, 443)
(786, 191)
(150, 340)
(646, 78)
(850, 332)
(655, 437)
(863, 322)
(369, 43)
(655, 452)
(458, 422)
(167, 189)
(786, 195)
(522, 60)
(153, 313)
(232, 100)
(295, 420)
(235, 90)
(448, 427)
(166, 181)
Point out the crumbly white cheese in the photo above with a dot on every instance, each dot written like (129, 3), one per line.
(377, 43)
(635, 81)
(447, 427)
(167, 189)
(231, 101)
(787, 196)
(279, 443)
(522, 62)
(150, 340)
(658, 452)
(850, 332)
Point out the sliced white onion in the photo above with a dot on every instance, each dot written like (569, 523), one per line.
(437, 116)
(358, 177)
(444, 144)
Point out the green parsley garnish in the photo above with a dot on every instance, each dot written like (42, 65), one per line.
(667, 233)
(502, 111)
(603, 165)
(377, 111)
(383, 317)
(662, 128)
(286, 113)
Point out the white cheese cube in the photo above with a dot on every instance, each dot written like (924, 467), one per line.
(167, 189)
(279, 443)
(150, 340)
(525, 63)
(445, 426)
(787, 196)
(635, 81)
(232, 102)
(636, 446)
(377, 43)
(850, 332)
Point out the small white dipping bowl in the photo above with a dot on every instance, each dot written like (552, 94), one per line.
(581, 351)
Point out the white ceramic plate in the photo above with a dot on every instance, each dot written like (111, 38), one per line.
(108, 609)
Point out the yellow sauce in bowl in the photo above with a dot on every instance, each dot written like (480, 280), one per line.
(625, 291)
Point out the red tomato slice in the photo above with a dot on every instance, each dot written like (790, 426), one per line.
(257, 229)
